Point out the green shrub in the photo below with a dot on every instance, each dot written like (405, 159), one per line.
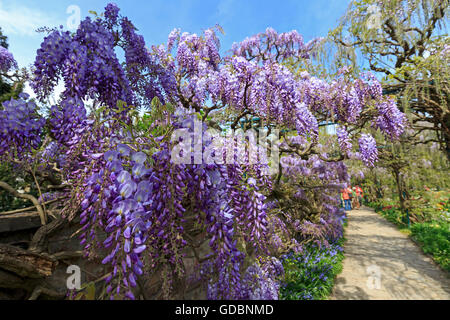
(394, 215)
(434, 238)
(19, 182)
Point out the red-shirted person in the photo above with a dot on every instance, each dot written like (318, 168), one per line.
(359, 196)
(346, 198)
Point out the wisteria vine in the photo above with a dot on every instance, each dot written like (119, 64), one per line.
(154, 211)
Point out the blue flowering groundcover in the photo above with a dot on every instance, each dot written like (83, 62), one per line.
(310, 275)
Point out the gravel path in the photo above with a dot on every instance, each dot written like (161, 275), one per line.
(382, 263)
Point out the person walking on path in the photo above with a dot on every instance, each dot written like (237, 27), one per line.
(359, 196)
(354, 198)
(346, 198)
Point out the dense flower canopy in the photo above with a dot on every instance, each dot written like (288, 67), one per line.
(368, 150)
(20, 127)
(152, 209)
(254, 81)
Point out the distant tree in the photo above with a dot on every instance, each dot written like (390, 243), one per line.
(3, 40)
(10, 84)
(404, 169)
(407, 42)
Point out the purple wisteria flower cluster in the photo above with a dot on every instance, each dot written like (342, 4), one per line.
(345, 143)
(118, 199)
(271, 46)
(261, 280)
(390, 120)
(368, 150)
(253, 81)
(156, 212)
(143, 201)
(87, 63)
(66, 118)
(7, 61)
(20, 127)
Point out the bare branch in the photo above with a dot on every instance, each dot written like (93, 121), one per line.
(30, 197)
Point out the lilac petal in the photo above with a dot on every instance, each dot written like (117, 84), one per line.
(127, 233)
(110, 155)
(141, 196)
(127, 188)
(139, 157)
(115, 166)
(139, 249)
(127, 245)
(123, 176)
(123, 149)
(139, 170)
(130, 295)
(145, 186)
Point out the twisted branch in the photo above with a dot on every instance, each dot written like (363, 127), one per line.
(30, 197)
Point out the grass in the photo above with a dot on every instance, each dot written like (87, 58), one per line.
(434, 239)
(406, 231)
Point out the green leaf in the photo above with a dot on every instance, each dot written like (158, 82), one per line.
(90, 291)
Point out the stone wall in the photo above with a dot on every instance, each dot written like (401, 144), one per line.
(63, 249)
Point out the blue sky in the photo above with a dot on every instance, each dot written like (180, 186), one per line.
(156, 18)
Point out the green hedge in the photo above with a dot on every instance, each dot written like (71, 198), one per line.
(434, 238)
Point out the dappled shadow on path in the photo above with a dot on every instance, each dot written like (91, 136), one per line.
(383, 263)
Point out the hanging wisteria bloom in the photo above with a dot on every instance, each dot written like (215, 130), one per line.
(156, 214)
(368, 150)
(7, 61)
(390, 120)
(345, 143)
(20, 127)
(361, 174)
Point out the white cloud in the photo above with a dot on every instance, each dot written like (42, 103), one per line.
(224, 8)
(21, 20)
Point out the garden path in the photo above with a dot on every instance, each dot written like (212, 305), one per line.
(383, 263)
